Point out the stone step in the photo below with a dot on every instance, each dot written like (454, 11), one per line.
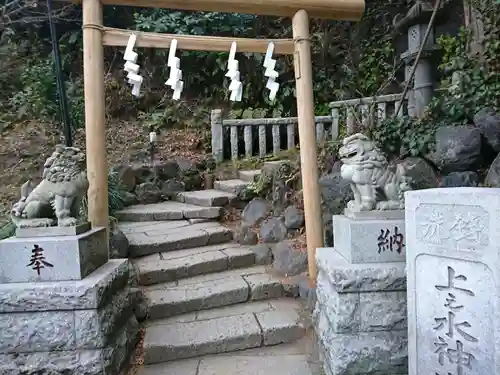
(150, 237)
(250, 175)
(244, 326)
(212, 290)
(174, 265)
(167, 211)
(296, 358)
(231, 186)
(206, 198)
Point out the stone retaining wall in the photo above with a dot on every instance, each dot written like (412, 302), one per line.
(360, 316)
(68, 327)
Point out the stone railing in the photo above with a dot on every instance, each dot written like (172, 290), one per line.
(365, 111)
(324, 128)
(354, 114)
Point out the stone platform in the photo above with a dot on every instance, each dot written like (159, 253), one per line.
(68, 327)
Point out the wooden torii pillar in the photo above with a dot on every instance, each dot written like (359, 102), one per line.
(299, 10)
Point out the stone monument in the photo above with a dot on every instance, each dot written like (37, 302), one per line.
(360, 314)
(453, 267)
(64, 307)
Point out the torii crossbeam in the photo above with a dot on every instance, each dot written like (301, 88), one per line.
(95, 35)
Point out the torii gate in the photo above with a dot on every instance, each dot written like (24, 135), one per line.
(95, 35)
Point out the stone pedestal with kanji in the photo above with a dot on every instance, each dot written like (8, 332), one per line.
(360, 314)
(47, 255)
(370, 237)
(64, 307)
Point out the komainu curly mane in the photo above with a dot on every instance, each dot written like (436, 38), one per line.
(58, 196)
(375, 183)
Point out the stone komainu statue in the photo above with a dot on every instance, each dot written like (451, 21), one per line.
(376, 184)
(59, 194)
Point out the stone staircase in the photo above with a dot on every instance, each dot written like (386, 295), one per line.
(212, 310)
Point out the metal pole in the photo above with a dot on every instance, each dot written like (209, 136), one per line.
(61, 90)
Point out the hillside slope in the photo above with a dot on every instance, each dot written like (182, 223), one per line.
(25, 146)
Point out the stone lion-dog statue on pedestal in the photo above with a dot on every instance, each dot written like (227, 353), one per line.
(58, 196)
(376, 184)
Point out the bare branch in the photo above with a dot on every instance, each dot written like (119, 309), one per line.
(17, 12)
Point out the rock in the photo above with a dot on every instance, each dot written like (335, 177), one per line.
(167, 170)
(458, 148)
(273, 230)
(246, 236)
(263, 254)
(118, 244)
(192, 182)
(460, 179)
(488, 123)
(128, 198)
(127, 177)
(328, 229)
(423, 175)
(294, 218)
(171, 187)
(288, 260)
(335, 193)
(187, 167)
(143, 173)
(140, 304)
(299, 286)
(493, 176)
(256, 210)
(148, 192)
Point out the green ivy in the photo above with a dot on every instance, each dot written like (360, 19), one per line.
(478, 86)
(403, 136)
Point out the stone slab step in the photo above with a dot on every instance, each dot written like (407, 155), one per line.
(297, 358)
(150, 237)
(231, 186)
(250, 175)
(167, 211)
(174, 265)
(229, 329)
(211, 291)
(206, 198)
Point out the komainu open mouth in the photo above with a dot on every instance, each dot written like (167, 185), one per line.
(348, 154)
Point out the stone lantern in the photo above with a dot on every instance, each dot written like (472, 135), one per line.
(415, 22)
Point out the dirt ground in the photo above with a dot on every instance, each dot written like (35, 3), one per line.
(25, 146)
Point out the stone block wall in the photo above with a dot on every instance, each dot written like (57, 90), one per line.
(360, 316)
(78, 327)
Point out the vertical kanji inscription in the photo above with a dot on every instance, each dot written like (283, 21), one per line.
(37, 260)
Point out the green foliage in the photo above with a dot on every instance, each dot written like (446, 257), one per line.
(7, 230)
(349, 59)
(477, 86)
(116, 196)
(37, 97)
(403, 136)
